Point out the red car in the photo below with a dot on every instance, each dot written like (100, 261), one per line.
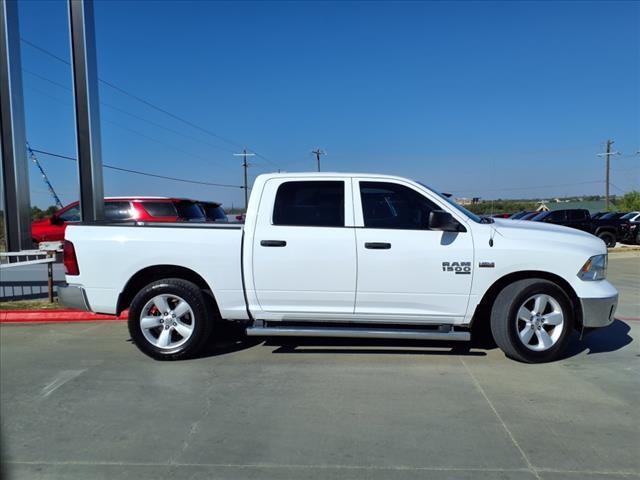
(140, 209)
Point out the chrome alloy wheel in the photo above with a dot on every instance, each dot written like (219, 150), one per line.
(167, 321)
(540, 322)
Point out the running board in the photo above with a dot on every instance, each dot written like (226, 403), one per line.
(450, 335)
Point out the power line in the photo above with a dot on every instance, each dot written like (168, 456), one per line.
(131, 130)
(175, 179)
(537, 186)
(130, 114)
(146, 102)
(138, 172)
(46, 52)
(46, 79)
(527, 187)
(615, 186)
(159, 142)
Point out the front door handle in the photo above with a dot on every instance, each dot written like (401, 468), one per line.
(377, 245)
(273, 243)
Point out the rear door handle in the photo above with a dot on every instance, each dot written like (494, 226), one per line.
(377, 245)
(273, 243)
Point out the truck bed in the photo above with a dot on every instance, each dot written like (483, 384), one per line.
(110, 254)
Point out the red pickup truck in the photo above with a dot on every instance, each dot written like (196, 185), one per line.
(142, 209)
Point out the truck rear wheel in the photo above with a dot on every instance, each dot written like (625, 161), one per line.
(532, 320)
(170, 319)
(608, 238)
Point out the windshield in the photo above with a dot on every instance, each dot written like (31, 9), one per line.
(629, 216)
(457, 206)
(539, 216)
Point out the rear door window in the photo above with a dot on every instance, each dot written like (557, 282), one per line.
(577, 215)
(310, 204)
(557, 216)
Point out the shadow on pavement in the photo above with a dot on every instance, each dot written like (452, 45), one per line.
(228, 338)
(350, 346)
(601, 340)
(231, 338)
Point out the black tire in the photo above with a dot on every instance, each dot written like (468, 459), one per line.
(203, 313)
(504, 323)
(608, 238)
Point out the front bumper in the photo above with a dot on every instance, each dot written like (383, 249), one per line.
(598, 312)
(73, 296)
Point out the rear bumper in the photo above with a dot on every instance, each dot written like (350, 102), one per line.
(73, 296)
(598, 312)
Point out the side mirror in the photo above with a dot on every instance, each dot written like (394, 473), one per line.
(55, 220)
(441, 220)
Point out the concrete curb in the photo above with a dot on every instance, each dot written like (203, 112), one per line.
(56, 316)
(620, 248)
(70, 315)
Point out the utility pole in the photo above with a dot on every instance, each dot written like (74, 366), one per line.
(607, 156)
(317, 153)
(245, 166)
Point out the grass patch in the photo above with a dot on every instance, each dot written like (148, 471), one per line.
(30, 305)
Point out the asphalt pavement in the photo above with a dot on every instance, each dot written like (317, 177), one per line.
(79, 401)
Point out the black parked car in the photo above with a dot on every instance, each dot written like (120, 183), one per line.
(529, 216)
(610, 230)
(521, 214)
(611, 216)
(214, 212)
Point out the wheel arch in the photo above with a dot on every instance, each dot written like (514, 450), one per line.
(483, 309)
(157, 272)
(606, 229)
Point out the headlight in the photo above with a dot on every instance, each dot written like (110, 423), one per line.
(594, 269)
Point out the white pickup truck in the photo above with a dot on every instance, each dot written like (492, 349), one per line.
(344, 255)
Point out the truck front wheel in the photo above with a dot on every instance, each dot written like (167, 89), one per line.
(170, 319)
(532, 320)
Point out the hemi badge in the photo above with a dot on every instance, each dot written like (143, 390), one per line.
(486, 265)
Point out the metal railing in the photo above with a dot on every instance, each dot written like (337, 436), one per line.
(46, 255)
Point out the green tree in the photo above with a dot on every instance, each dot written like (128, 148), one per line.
(36, 213)
(630, 201)
(501, 206)
(51, 209)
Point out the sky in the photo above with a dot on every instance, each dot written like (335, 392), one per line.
(488, 99)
